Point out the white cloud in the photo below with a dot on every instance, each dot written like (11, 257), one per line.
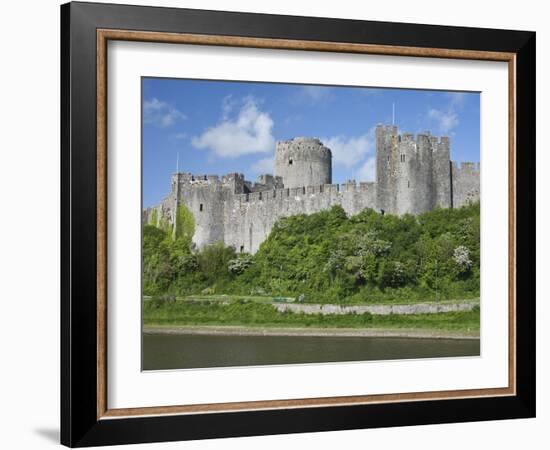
(228, 104)
(367, 172)
(348, 152)
(159, 113)
(250, 132)
(262, 166)
(446, 120)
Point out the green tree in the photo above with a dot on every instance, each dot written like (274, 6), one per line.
(185, 224)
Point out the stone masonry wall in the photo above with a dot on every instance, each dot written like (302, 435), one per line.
(249, 218)
(382, 310)
(465, 183)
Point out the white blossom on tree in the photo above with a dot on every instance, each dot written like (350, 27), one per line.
(240, 264)
(461, 257)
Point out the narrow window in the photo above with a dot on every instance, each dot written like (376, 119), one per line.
(408, 184)
(260, 196)
(388, 157)
(200, 207)
(242, 248)
(290, 162)
(303, 190)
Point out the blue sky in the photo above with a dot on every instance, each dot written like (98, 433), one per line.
(219, 127)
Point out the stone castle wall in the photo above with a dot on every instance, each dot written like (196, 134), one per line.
(441, 174)
(244, 220)
(249, 218)
(412, 176)
(465, 183)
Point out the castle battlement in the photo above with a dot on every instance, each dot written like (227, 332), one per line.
(414, 174)
(472, 167)
(302, 142)
(421, 138)
(189, 178)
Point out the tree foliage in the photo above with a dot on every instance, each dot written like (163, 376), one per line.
(185, 224)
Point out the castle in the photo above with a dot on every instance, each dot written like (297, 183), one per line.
(412, 176)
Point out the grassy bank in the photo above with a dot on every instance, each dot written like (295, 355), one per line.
(229, 298)
(256, 314)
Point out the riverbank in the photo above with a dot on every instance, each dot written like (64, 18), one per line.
(317, 332)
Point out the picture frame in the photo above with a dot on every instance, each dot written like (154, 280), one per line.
(86, 418)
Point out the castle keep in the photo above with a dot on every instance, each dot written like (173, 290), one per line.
(412, 176)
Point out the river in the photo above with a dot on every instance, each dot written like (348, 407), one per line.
(185, 351)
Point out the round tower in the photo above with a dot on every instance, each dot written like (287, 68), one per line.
(303, 162)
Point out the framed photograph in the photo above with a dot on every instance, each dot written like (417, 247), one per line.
(276, 224)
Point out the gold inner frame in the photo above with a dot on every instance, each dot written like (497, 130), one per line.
(104, 35)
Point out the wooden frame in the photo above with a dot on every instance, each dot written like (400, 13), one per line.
(86, 418)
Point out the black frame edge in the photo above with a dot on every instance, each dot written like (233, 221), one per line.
(78, 218)
(79, 426)
(65, 434)
(525, 223)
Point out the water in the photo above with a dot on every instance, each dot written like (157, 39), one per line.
(171, 351)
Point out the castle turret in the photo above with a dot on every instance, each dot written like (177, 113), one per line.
(303, 162)
(203, 196)
(413, 176)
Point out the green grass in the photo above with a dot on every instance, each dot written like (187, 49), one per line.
(254, 314)
(230, 298)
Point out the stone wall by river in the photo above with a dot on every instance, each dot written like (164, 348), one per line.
(418, 308)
